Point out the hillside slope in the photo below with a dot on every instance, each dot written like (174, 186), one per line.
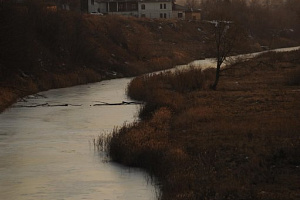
(41, 49)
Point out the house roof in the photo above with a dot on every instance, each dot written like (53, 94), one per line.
(179, 7)
(193, 10)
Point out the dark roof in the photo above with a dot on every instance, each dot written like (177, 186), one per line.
(193, 10)
(179, 7)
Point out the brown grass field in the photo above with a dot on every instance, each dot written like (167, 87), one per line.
(239, 142)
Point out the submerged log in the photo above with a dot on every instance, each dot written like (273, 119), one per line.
(45, 105)
(66, 104)
(31, 106)
(117, 104)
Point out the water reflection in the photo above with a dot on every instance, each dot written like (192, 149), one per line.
(45, 152)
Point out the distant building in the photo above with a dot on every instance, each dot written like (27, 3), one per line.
(178, 11)
(136, 8)
(193, 14)
(155, 9)
(164, 9)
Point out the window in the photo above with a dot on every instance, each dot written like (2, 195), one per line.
(143, 7)
(180, 15)
(161, 6)
(165, 6)
(121, 7)
(133, 6)
(161, 15)
(92, 2)
(165, 15)
(113, 7)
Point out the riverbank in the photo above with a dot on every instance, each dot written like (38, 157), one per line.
(68, 48)
(19, 85)
(239, 142)
(36, 60)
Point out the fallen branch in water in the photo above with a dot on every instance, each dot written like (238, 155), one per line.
(45, 105)
(31, 106)
(98, 104)
(64, 105)
(117, 104)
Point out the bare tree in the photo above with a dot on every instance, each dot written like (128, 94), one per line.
(224, 37)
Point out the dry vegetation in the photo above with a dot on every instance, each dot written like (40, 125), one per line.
(240, 142)
(41, 49)
(39, 45)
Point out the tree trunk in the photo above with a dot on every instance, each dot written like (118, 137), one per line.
(214, 86)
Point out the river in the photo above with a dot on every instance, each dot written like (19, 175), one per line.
(211, 62)
(46, 152)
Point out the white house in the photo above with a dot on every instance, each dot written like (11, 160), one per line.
(137, 8)
(155, 9)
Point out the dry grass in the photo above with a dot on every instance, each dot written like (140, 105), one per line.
(7, 96)
(240, 142)
(58, 49)
(20, 86)
(156, 89)
(76, 77)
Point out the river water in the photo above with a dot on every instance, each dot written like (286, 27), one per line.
(46, 152)
(211, 62)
